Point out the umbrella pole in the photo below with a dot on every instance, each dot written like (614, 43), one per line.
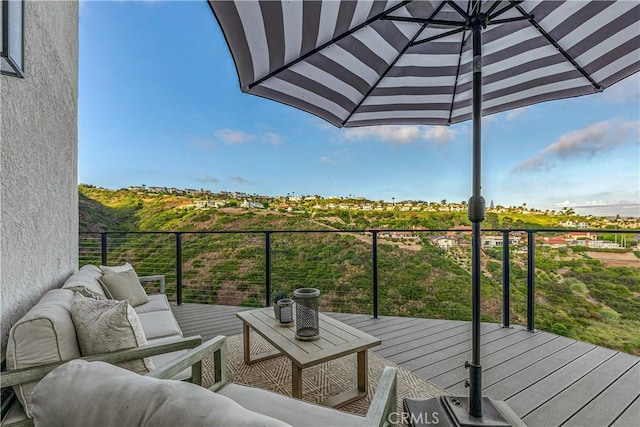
(463, 411)
(476, 216)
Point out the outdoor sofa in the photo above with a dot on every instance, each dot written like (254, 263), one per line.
(61, 386)
(46, 335)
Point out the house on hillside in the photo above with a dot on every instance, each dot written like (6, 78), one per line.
(581, 235)
(555, 241)
(443, 242)
(250, 204)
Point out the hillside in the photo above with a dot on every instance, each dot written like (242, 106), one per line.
(577, 295)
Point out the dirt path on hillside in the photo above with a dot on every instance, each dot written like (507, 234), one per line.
(613, 259)
(369, 240)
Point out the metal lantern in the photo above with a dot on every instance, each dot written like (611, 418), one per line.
(307, 324)
(285, 307)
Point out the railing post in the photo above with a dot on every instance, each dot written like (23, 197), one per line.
(267, 272)
(103, 248)
(531, 289)
(506, 304)
(179, 268)
(375, 273)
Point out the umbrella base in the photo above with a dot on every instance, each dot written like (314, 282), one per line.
(448, 411)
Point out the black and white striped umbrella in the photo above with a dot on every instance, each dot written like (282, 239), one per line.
(428, 62)
(359, 63)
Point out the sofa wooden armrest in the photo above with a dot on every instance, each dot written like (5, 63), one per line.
(36, 373)
(384, 402)
(157, 278)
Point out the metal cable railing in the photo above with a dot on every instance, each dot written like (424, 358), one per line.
(417, 273)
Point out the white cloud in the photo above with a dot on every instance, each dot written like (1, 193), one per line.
(273, 138)
(326, 159)
(397, 135)
(232, 137)
(586, 142)
(602, 207)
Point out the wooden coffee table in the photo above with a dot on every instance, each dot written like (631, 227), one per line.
(336, 340)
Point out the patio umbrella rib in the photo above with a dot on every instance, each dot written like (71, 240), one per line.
(491, 15)
(463, 42)
(507, 20)
(493, 7)
(329, 43)
(440, 36)
(383, 74)
(460, 11)
(554, 43)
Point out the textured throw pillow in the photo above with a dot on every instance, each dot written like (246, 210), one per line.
(107, 325)
(124, 286)
(116, 269)
(80, 393)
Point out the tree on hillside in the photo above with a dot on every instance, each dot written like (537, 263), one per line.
(507, 222)
(491, 220)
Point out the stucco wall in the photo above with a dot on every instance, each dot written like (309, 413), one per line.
(38, 161)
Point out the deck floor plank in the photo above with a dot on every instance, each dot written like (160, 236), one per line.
(603, 410)
(630, 416)
(538, 370)
(401, 344)
(456, 377)
(547, 388)
(389, 333)
(437, 361)
(572, 399)
(546, 379)
(490, 345)
(516, 358)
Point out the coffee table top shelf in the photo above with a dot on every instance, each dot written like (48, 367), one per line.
(336, 338)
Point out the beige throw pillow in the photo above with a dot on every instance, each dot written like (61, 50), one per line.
(124, 286)
(106, 326)
(116, 269)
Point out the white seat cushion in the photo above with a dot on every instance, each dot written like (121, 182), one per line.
(163, 358)
(158, 324)
(292, 411)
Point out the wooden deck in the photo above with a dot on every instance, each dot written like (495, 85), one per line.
(548, 380)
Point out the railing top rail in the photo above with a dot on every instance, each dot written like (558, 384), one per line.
(378, 230)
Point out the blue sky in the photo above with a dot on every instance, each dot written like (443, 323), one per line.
(160, 106)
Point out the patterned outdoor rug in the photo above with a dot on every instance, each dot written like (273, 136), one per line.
(318, 382)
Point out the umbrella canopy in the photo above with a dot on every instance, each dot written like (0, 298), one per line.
(359, 63)
(366, 63)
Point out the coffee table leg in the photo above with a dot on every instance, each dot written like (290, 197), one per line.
(363, 370)
(296, 381)
(247, 344)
